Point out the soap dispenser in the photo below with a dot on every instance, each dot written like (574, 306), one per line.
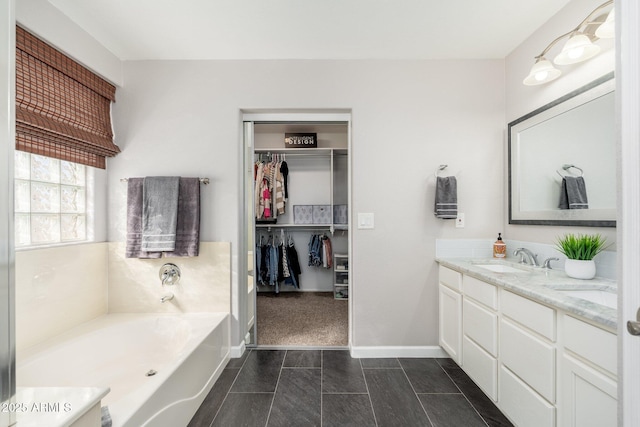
(499, 248)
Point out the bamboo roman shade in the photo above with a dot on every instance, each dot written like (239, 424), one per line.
(63, 110)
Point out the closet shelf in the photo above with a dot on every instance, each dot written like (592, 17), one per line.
(303, 151)
(306, 226)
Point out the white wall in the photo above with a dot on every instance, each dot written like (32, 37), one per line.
(182, 118)
(48, 23)
(521, 99)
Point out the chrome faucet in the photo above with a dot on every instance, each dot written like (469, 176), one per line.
(526, 256)
(547, 262)
(166, 298)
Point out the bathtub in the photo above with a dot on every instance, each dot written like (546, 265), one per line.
(159, 367)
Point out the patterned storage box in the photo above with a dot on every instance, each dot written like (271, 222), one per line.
(340, 214)
(322, 214)
(303, 214)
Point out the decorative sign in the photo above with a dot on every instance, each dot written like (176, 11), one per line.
(301, 140)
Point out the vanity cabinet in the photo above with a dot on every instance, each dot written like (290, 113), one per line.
(542, 366)
(588, 384)
(480, 334)
(527, 361)
(450, 313)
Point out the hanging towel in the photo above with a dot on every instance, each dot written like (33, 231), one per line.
(573, 193)
(446, 201)
(188, 222)
(134, 221)
(159, 213)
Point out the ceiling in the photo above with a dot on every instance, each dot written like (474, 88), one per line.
(309, 29)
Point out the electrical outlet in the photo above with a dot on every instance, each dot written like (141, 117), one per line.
(460, 220)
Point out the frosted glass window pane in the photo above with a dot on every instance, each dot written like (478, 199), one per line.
(45, 169)
(72, 199)
(45, 228)
(23, 230)
(22, 166)
(73, 227)
(71, 173)
(50, 200)
(45, 197)
(22, 196)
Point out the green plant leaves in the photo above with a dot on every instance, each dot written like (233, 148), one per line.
(581, 246)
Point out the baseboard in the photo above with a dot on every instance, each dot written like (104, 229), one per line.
(237, 350)
(433, 351)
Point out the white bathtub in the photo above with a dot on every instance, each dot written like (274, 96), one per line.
(188, 351)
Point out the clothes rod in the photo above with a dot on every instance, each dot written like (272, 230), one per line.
(204, 181)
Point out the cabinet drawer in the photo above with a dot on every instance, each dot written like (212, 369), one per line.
(481, 367)
(537, 317)
(594, 344)
(450, 278)
(522, 404)
(481, 325)
(530, 358)
(480, 291)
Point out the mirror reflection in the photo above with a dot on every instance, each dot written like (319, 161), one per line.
(562, 160)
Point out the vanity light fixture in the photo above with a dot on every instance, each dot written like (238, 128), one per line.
(579, 47)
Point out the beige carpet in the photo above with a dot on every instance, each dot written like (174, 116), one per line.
(302, 319)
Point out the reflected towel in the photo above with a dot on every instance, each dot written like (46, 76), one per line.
(446, 201)
(105, 417)
(159, 213)
(134, 221)
(188, 225)
(573, 194)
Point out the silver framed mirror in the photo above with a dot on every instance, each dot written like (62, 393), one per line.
(562, 160)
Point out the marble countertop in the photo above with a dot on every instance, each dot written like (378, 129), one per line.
(544, 286)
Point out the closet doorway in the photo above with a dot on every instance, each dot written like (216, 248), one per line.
(298, 241)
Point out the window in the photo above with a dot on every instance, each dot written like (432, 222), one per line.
(50, 201)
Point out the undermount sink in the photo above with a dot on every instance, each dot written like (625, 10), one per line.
(501, 268)
(606, 298)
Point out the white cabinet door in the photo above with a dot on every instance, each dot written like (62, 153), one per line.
(450, 322)
(589, 398)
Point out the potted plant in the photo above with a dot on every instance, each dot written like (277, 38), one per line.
(580, 249)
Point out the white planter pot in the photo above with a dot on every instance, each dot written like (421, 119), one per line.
(580, 269)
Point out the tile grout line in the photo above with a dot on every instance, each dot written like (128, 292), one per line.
(373, 411)
(276, 389)
(230, 387)
(463, 393)
(416, 394)
(321, 378)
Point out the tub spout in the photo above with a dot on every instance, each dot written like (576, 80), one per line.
(166, 298)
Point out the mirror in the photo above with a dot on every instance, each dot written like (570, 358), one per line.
(572, 137)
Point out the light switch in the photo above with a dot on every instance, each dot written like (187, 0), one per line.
(365, 220)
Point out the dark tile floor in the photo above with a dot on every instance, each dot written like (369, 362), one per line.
(328, 388)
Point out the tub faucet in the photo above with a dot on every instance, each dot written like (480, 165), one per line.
(166, 298)
(526, 256)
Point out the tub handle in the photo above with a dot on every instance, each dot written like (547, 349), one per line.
(169, 274)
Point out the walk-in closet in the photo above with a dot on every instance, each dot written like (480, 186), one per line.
(298, 197)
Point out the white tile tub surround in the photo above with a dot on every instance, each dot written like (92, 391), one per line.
(205, 283)
(483, 248)
(58, 288)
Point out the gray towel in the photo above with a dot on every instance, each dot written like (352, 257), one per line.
(188, 226)
(446, 203)
(573, 194)
(134, 221)
(159, 213)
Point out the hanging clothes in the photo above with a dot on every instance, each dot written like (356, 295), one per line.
(277, 262)
(320, 251)
(269, 188)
